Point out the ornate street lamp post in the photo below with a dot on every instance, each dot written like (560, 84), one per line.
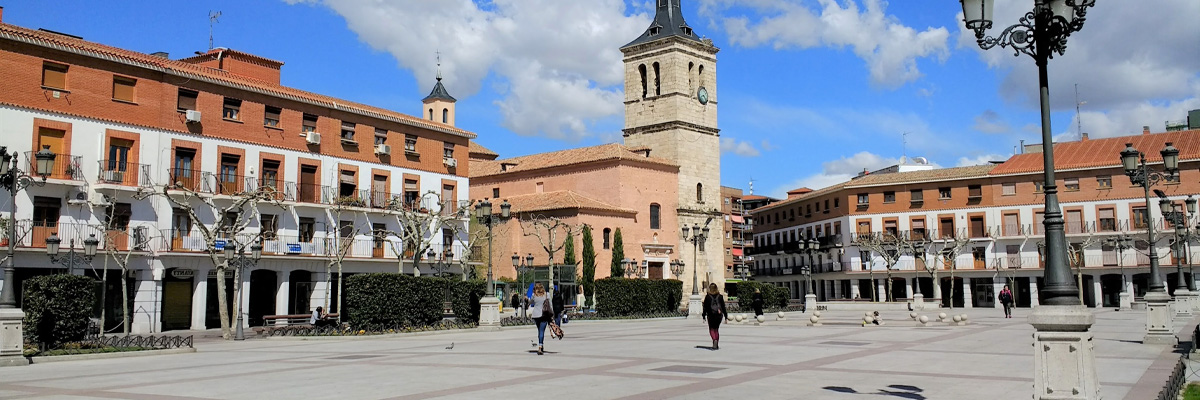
(1185, 299)
(1120, 243)
(489, 306)
(523, 267)
(697, 236)
(1062, 324)
(236, 258)
(809, 247)
(632, 269)
(1159, 327)
(69, 260)
(15, 180)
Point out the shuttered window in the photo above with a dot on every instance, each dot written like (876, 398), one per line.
(123, 88)
(309, 124)
(187, 100)
(271, 116)
(54, 75)
(232, 109)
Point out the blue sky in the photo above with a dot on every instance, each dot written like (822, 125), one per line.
(810, 91)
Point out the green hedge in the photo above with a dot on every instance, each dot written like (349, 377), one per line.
(397, 300)
(619, 296)
(773, 296)
(58, 308)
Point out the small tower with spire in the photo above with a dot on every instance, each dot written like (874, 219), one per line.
(439, 104)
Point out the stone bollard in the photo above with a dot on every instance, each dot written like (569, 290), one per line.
(815, 319)
(957, 320)
(965, 320)
(759, 319)
(924, 320)
(942, 317)
(867, 320)
(781, 316)
(913, 315)
(739, 318)
(729, 318)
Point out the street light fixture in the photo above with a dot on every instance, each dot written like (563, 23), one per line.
(1159, 327)
(1120, 243)
(15, 180)
(235, 257)
(54, 243)
(697, 236)
(523, 267)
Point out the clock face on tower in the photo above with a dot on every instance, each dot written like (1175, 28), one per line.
(702, 95)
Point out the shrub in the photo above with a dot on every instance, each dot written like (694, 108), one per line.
(619, 296)
(773, 296)
(396, 299)
(58, 308)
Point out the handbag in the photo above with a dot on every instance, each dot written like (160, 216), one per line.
(547, 311)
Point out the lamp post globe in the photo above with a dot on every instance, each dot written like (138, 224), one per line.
(89, 245)
(45, 161)
(52, 245)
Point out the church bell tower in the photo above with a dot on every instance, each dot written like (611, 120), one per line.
(671, 108)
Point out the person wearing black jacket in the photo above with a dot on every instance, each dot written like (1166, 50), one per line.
(559, 301)
(714, 313)
(757, 302)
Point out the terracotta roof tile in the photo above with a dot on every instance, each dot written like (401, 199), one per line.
(71, 44)
(614, 151)
(561, 200)
(477, 149)
(931, 175)
(1104, 152)
(816, 193)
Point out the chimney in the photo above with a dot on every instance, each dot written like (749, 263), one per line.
(1, 13)
(1022, 147)
(161, 54)
(1145, 129)
(1083, 137)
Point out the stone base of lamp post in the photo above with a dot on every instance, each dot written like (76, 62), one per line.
(810, 302)
(695, 305)
(1160, 329)
(489, 312)
(1183, 304)
(1065, 360)
(918, 302)
(12, 339)
(1126, 301)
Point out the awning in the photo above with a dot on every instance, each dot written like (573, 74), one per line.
(737, 252)
(738, 219)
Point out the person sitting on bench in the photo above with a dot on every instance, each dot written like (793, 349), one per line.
(320, 318)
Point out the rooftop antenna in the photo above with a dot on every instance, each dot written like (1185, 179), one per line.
(212, 19)
(751, 185)
(904, 144)
(1078, 122)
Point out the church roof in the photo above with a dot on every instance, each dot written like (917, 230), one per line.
(439, 92)
(582, 155)
(668, 21)
(561, 200)
(477, 151)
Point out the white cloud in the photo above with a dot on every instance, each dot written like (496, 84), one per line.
(1133, 67)
(837, 171)
(768, 146)
(990, 122)
(980, 159)
(889, 48)
(741, 148)
(563, 76)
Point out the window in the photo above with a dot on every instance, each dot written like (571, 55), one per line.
(890, 228)
(445, 115)
(348, 183)
(974, 192)
(864, 227)
(431, 114)
(116, 216)
(607, 238)
(654, 217)
(826, 206)
(348, 130)
(1104, 182)
(889, 197)
(700, 193)
(1039, 186)
(54, 75)
(187, 100)
(229, 173)
(495, 193)
(944, 193)
(837, 203)
(448, 199)
(447, 150)
(1172, 178)
(346, 229)
(1039, 222)
(268, 225)
(1012, 225)
(118, 154)
(270, 174)
(1108, 219)
(1071, 184)
(410, 144)
(123, 88)
(1008, 189)
(380, 136)
(181, 225)
(46, 211)
(947, 227)
(309, 123)
(642, 73)
(918, 229)
(657, 85)
(863, 199)
(232, 109)
(1139, 217)
(271, 116)
(411, 194)
(916, 196)
(378, 234)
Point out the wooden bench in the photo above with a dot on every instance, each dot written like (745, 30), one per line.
(272, 323)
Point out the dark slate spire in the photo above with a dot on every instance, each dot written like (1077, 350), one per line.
(668, 21)
(439, 92)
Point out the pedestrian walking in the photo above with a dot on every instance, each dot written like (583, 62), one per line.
(757, 302)
(560, 308)
(714, 313)
(1006, 300)
(542, 312)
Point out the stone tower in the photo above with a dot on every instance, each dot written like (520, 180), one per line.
(671, 108)
(439, 104)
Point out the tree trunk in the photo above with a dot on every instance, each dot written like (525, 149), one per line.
(104, 297)
(888, 295)
(341, 292)
(237, 297)
(124, 299)
(222, 300)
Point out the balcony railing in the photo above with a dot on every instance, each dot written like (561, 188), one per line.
(319, 245)
(34, 234)
(124, 173)
(66, 167)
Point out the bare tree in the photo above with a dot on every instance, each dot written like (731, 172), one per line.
(1075, 254)
(339, 240)
(952, 247)
(420, 221)
(116, 237)
(920, 248)
(228, 223)
(888, 246)
(546, 229)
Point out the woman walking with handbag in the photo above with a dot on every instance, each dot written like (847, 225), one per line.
(542, 312)
(714, 313)
(1006, 300)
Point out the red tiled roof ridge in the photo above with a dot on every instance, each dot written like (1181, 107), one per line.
(217, 50)
(1103, 152)
(936, 174)
(806, 196)
(229, 79)
(560, 199)
(475, 147)
(560, 158)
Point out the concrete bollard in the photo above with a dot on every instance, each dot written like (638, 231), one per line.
(867, 320)
(924, 320)
(739, 318)
(941, 317)
(781, 316)
(913, 315)
(759, 319)
(814, 320)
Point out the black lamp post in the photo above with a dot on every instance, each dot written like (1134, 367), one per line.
(1039, 34)
(235, 257)
(1120, 243)
(676, 268)
(1134, 163)
(15, 180)
(631, 268)
(523, 267)
(483, 212)
(69, 259)
(698, 235)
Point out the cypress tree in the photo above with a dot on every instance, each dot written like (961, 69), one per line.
(589, 266)
(618, 253)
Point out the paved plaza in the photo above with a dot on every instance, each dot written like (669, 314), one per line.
(989, 359)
